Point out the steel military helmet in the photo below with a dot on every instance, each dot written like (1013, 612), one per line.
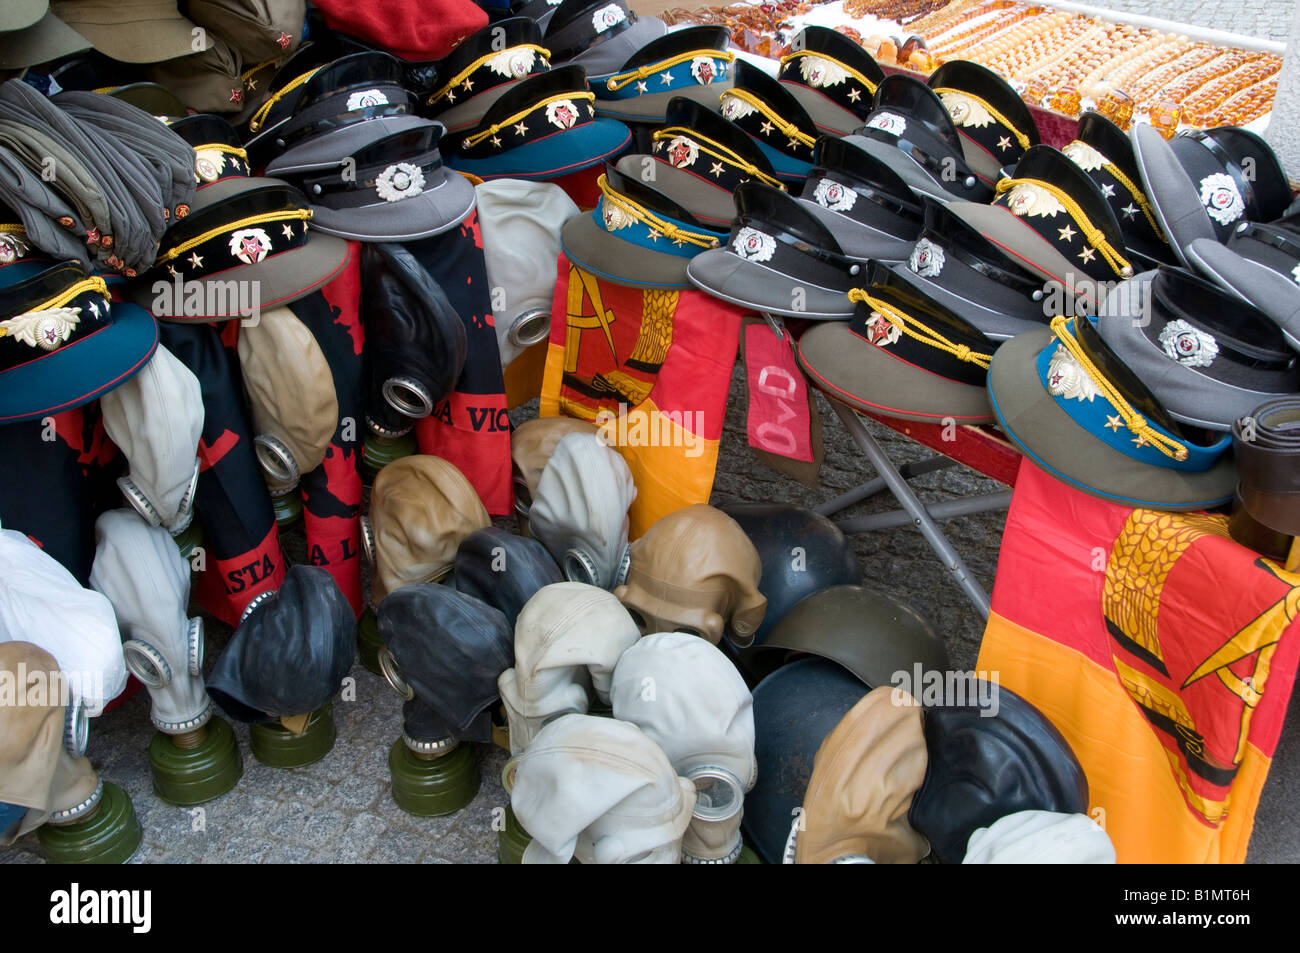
(801, 552)
(870, 633)
(991, 754)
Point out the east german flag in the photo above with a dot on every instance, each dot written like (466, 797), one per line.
(652, 368)
(1163, 651)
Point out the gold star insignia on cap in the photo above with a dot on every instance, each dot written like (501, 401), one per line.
(196, 259)
(287, 231)
(520, 129)
(451, 96)
(1067, 234)
(716, 169)
(496, 142)
(654, 236)
(172, 270)
(251, 84)
(1139, 441)
(1108, 191)
(854, 95)
(1129, 210)
(793, 143)
(1088, 254)
(1114, 421)
(468, 86)
(641, 86)
(666, 77)
(1004, 142)
(678, 242)
(766, 128)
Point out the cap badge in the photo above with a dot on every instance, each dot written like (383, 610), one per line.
(753, 245)
(284, 39)
(965, 111)
(1221, 199)
(733, 107)
(881, 331)
(1025, 198)
(562, 113)
(250, 245)
(927, 259)
(615, 217)
(683, 152)
(400, 181)
(892, 123)
(513, 64)
(818, 71)
(1188, 345)
(208, 164)
(366, 97)
(11, 248)
(1084, 156)
(705, 70)
(44, 329)
(836, 197)
(607, 16)
(1067, 378)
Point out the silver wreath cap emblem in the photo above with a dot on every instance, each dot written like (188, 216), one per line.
(1084, 156)
(753, 245)
(892, 123)
(1067, 378)
(208, 164)
(881, 331)
(513, 64)
(615, 218)
(607, 16)
(817, 71)
(836, 197)
(705, 70)
(44, 329)
(683, 151)
(400, 181)
(927, 259)
(1188, 345)
(1221, 199)
(367, 97)
(562, 113)
(250, 245)
(12, 248)
(733, 107)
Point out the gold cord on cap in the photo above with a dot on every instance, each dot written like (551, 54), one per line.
(1138, 195)
(619, 80)
(716, 149)
(642, 214)
(223, 147)
(471, 141)
(93, 283)
(1002, 120)
(920, 331)
(791, 57)
(1134, 421)
(469, 70)
(788, 129)
(259, 117)
(296, 214)
(1118, 263)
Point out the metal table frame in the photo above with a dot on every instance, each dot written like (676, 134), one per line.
(983, 449)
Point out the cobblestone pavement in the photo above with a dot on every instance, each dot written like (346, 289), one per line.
(341, 808)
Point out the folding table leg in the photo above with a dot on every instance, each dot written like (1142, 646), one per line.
(946, 509)
(872, 487)
(914, 507)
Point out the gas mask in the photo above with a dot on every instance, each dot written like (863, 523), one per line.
(156, 418)
(503, 570)
(421, 507)
(600, 790)
(415, 341)
(863, 779)
(140, 570)
(579, 510)
(521, 222)
(41, 603)
(695, 571)
(686, 696)
(290, 652)
(1040, 837)
(443, 652)
(44, 772)
(531, 445)
(291, 396)
(568, 638)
